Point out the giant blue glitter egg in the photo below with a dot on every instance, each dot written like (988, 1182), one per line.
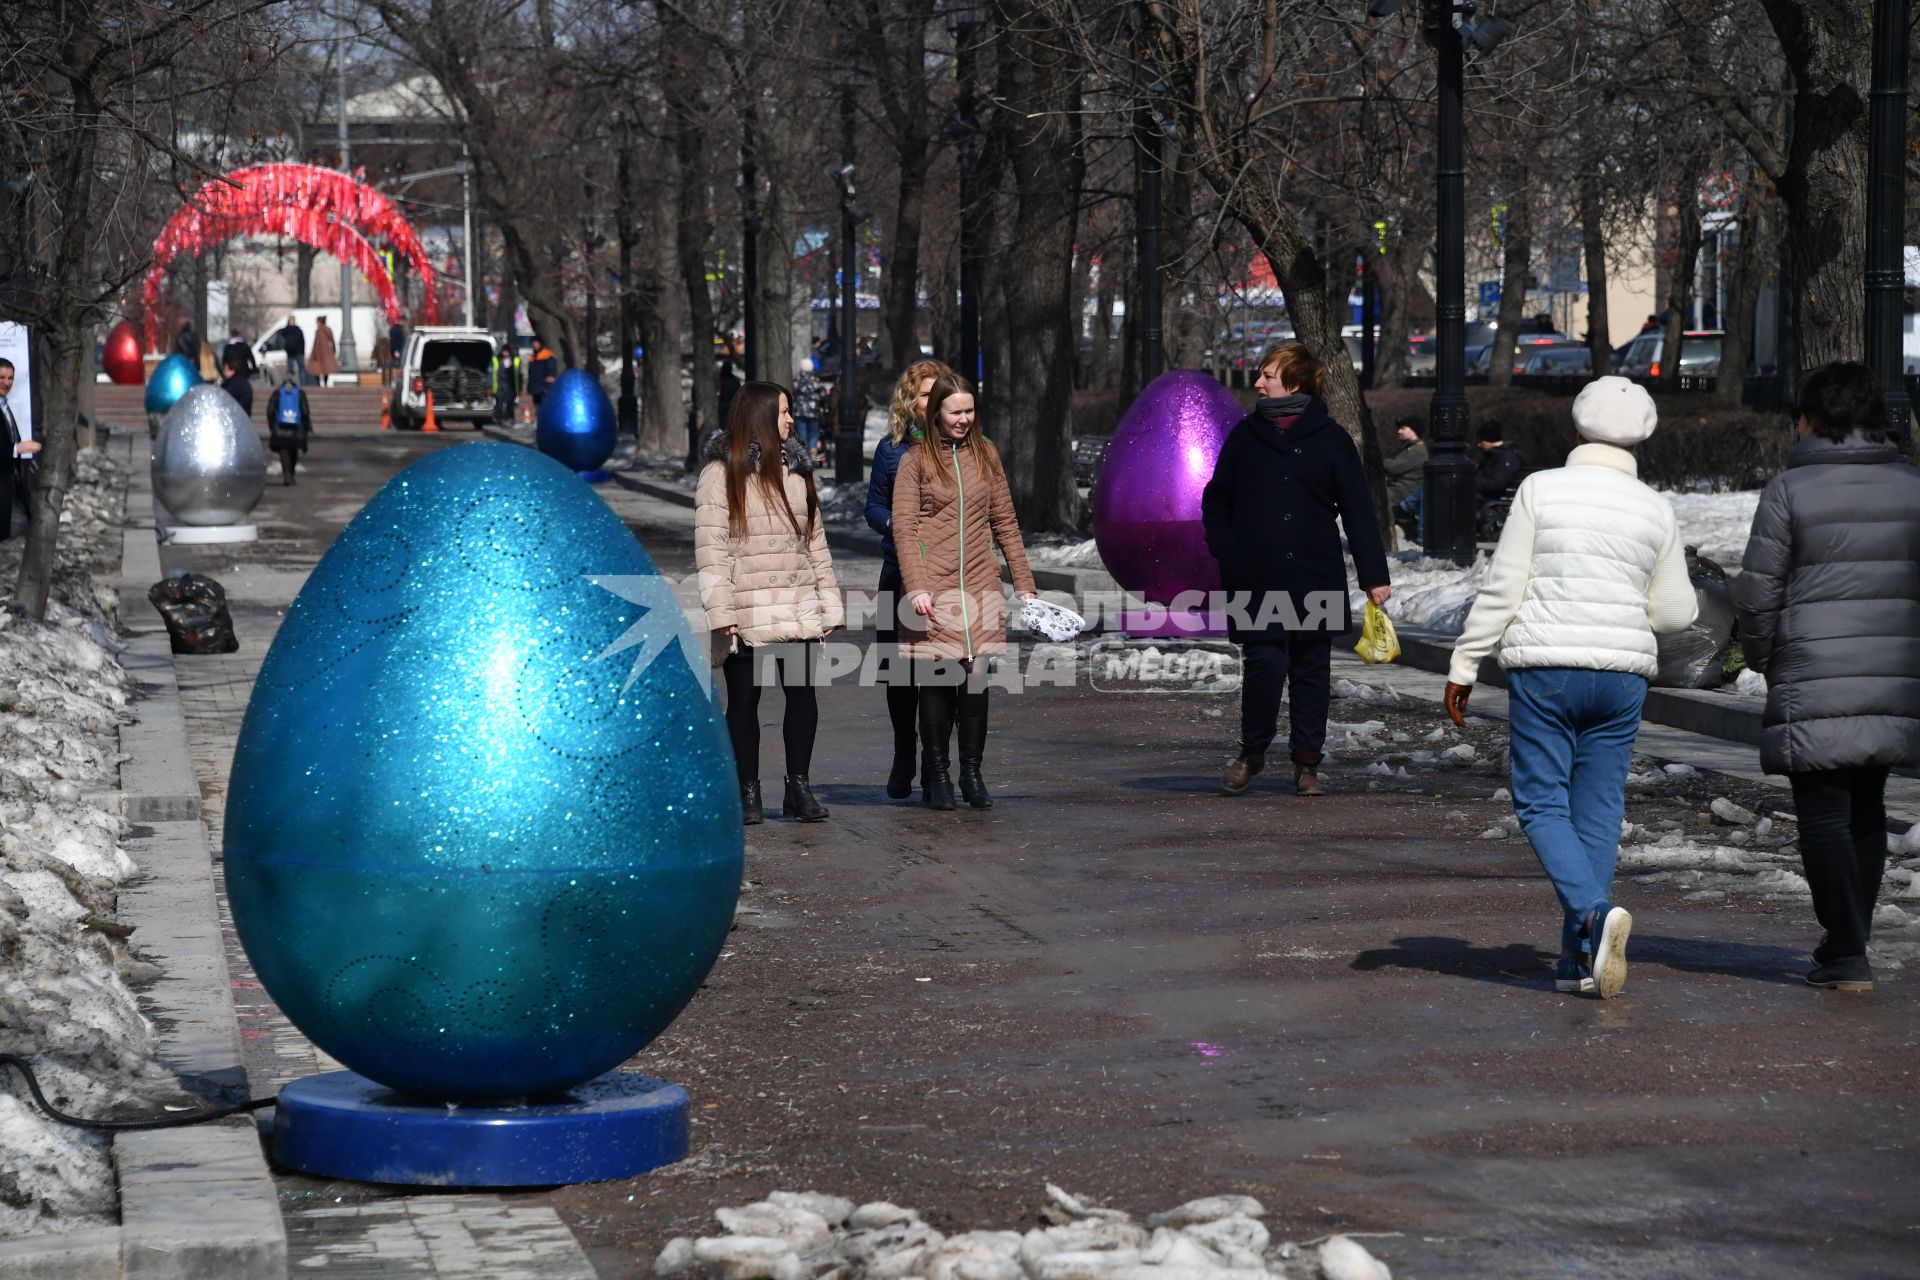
(577, 422)
(1146, 504)
(169, 381)
(483, 833)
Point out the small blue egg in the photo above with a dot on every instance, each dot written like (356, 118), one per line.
(170, 380)
(577, 422)
(483, 832)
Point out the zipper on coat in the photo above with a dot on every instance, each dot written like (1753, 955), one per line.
(961, 486)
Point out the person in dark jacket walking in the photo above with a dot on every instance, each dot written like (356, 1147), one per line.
(187, 343)
(906, 421)
(238, 354)
(235, 382)
(289, 423)
(1829, 599)
(1287, 481)
(293, 341)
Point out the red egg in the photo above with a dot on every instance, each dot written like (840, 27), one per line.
(121, 356)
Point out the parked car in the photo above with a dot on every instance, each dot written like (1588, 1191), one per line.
(453, 362)
(1699, 354)
(1420, 352)
(1570, 360)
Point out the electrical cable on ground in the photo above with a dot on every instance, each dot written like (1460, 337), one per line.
(165, 1122)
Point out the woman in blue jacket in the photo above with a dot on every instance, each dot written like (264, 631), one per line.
(903, 427)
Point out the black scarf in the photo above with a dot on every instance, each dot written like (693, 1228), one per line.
(1272, 407)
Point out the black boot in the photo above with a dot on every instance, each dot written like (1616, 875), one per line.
(936, 728)
(750, 814)
(973, 744)
(799, 803)
(902, 710)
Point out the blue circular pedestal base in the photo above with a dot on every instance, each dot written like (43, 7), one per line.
(595, 477)
(343, 1125)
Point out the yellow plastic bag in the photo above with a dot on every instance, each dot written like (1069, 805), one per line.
(1377, 644)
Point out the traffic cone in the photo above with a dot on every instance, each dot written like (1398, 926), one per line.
(386, 415)
(430, 425)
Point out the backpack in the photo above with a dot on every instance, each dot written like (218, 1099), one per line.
(286, 407)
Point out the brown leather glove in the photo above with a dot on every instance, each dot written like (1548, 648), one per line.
(1456, 699)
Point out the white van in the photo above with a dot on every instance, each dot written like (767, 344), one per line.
(369, 322)
(453, 362)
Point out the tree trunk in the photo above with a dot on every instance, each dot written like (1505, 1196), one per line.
(943, 313)
(1100, 361)
(1828, 44)
(1395, 274)
(1033, 408)
(1758, 246)
(1082, 285)
(1593, 242)
(695, 229)
(659, 307)
(1516, 273)
(1681, 256)
(782, 147)
(901, 304)
(303, 275)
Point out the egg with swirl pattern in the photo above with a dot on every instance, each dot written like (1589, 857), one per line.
(483, 837)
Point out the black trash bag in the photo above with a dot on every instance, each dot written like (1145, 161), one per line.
(1691, 659)
(195, 611)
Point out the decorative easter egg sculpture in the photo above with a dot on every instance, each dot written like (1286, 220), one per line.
(120, 356)
(170, 380)
(483, 834)
(1146, 506)
(577, 422)
(208, 466)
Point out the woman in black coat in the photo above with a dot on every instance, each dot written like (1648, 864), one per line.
(1287, 481)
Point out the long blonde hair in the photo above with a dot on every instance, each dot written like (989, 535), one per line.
(900, 415)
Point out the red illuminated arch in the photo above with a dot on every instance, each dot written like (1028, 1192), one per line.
(321, 208)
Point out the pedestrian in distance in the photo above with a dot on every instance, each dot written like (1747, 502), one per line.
(767, 584)
(325, 360)
(1406, 472)
(1287, 480)
(542, 372)
(20, 450)
(186, 343)
(237, 384)
(238, 353)
(381, 353)
(1829, 600)
(906, 420)
(809, 406)
(396, 348)
(1588, 571)
(293, 341)
(951, 506)
(289, 425)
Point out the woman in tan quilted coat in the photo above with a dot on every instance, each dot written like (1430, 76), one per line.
(950, 509)
(766, 581)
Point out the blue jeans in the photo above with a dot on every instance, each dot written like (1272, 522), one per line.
(808, 429)
(297, 367)
(1414, 504)
(1572, 740)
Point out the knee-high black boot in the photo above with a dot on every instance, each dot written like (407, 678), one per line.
(973, 744)
(936, 729)
(903, 708)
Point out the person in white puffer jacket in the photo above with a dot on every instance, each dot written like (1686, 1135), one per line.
(1588, 570)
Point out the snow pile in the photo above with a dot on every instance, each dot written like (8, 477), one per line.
(1716, 523)
(1065, 553)
(796, 1235)
(64, 964)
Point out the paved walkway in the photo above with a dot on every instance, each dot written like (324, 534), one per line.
(1123, 983)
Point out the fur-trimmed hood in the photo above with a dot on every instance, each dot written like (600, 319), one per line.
(792, 452)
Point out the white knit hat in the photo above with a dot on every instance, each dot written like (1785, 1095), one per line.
(1614, 410)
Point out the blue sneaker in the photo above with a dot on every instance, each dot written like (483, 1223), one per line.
(1606, 933)
(1571, 977)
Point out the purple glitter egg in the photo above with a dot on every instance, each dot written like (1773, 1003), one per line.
(1146, 507)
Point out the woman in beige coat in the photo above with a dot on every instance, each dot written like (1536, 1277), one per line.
(766, 581)
(950, 507)
(324, 360)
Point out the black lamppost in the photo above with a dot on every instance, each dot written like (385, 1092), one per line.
(1886, 201)
(848, 439)
(1448, 504)
(966, 20)
(750, 246)
(1149, 159)
(629, 408)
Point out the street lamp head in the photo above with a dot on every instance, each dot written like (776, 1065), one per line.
(1485, 33)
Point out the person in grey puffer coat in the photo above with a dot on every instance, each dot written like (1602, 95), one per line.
(1829, 598)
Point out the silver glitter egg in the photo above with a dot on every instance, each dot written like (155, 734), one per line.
(208, 466)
